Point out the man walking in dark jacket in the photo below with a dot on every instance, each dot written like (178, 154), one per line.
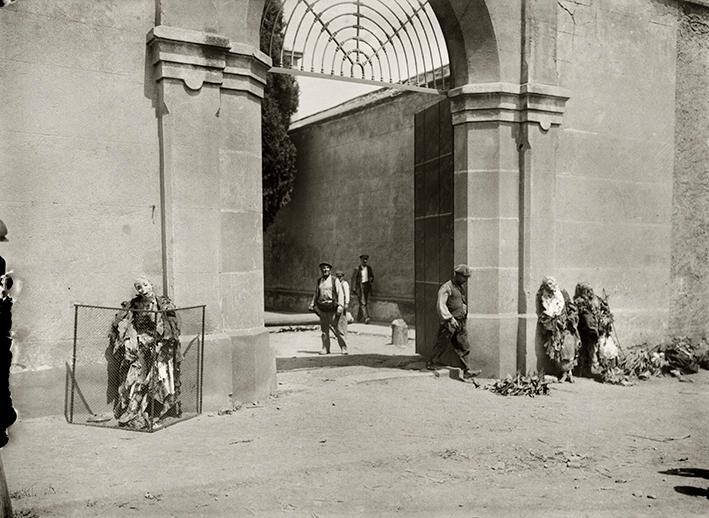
(453, 312)
(362, 281)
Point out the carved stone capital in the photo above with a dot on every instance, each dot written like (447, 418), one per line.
(196, 58)
(508, 102)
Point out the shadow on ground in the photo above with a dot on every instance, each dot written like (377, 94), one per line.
(385, 361)
(688, 472)
(693, 491)
(692, 473)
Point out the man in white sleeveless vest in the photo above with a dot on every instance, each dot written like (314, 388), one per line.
(329, 303)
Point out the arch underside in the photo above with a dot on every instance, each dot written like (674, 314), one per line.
(394, 43)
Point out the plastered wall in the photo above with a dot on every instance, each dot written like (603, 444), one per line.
(613, 192)
(690, 216)
(353, 194)
(79, 163)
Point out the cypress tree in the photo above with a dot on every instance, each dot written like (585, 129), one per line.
(279, 104)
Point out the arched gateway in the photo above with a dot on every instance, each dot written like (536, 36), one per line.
(505, 107)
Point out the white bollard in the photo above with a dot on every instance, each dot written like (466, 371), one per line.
(399, 332)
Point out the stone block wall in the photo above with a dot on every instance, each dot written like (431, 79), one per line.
(80, 163)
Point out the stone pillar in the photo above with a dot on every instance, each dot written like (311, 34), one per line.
(504, 144)
(209, 119)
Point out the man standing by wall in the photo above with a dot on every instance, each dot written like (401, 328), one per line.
(453, 311)
(330, 303)
(362, 282)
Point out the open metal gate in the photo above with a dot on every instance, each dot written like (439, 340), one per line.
(433, 212)
(389, 43)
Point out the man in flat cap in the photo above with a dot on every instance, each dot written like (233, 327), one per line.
(329, 303)
(362, 281)
(452, 312)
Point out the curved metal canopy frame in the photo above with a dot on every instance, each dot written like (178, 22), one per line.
(393, 43)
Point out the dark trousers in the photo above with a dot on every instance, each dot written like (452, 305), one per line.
(363, 297)
(330, 320)
(5, 396)
(458, 338)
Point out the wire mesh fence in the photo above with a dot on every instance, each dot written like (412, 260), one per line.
(137, 369)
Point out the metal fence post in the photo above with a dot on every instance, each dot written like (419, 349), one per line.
(200, 380)
(73, 365)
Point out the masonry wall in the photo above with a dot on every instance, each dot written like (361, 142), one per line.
(690, 217)
(613, 192)
(79, 164)
(353, 194)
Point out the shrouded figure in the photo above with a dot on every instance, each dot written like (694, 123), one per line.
(599, 351)
(558, 317)
(144, 378)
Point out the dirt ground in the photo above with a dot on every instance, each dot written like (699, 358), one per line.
(371, 435)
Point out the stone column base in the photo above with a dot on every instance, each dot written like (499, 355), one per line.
(530, 347)
(239, 366)
(493, 344)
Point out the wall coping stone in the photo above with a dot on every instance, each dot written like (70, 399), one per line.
(187, 36)
(704, 3)
(196, 58)
(509, 102)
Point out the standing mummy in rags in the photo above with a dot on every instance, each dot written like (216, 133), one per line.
(599, 350)
(144, 378)
(8, 415)
(558, 317)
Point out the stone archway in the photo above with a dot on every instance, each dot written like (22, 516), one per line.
(506, 108)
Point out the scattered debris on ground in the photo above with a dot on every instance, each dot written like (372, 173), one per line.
(290, 329)
(28, 492)
(664, 439)
(520, 386)
(679, 357)
(241, 441)
(453, 454)
(235, 407)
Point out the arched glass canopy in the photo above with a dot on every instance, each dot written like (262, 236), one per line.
(394, 43)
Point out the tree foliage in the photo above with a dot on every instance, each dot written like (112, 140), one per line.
(279, 104)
